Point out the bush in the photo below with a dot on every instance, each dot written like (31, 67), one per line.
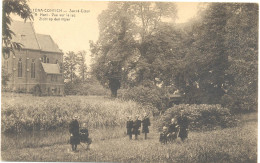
(150, 96)
(87, 88)
(201, 117)
(20, 90)
(36, 90)
(240, 103)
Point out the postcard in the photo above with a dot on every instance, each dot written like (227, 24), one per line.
(129, 81)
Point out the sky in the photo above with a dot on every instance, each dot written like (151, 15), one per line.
(74, 35)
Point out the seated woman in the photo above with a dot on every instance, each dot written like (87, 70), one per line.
(173, 130)
(163, 135)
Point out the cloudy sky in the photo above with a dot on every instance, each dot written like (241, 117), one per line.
(74, 35)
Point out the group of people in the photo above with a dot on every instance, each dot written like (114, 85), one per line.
(133, 126)
(178, 127)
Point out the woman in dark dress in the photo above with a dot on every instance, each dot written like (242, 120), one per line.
(129, 127)
(145, 123)
(74, 133)
(136, 126)
(183, 123)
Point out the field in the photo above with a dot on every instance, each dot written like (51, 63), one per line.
(26, 112)
(110, 144)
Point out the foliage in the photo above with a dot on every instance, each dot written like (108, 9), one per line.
(204, 59)
(5, 77)
(36, 90)
(124, 27)
(39, 114)
(147, 95)
(75, 72)
(201, 117)
(203, 72)
(20, 8)
(70, 66)
(242, 44)
(82, 65)
(90, 87)
(221, 60)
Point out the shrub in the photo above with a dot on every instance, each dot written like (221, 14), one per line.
(87, 88)
(20, 90)
(201, 117)
(151, 96)
(36, 90)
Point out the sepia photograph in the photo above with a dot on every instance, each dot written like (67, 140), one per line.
(129, 81)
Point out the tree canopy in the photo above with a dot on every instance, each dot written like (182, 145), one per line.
(125, 27)
(211, 59)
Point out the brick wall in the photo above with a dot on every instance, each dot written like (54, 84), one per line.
(27, 82)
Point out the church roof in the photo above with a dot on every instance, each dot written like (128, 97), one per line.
(51, 68)
(25, 34)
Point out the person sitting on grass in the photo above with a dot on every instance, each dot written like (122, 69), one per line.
(129, 127)
(136, 126)
(163, 135)
(74, 133)
(84, 135)
(173, 130)
(146, 123)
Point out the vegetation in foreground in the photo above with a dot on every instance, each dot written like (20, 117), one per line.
(238, 144)
(28, 113)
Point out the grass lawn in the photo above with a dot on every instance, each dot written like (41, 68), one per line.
(238, 144)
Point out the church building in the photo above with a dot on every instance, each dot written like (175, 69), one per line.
(37, 67)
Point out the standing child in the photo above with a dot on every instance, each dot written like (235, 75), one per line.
(163, 135)
(146, 123)
(129, 127)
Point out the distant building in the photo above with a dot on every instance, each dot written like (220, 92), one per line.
(38, 66)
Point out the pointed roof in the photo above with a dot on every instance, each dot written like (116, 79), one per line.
(51, 68)
(47, 44)
(25, 34)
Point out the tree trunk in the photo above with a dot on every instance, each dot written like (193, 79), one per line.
(114, 85)
(113, 92)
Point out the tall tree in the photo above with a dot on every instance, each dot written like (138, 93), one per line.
(242, 43)
(82, 65)
(202, 75)
(124, 27)
(220, 65)
(70, 66)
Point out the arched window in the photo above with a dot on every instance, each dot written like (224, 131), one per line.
(33, 69)
(20, 68)
(45, 59)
